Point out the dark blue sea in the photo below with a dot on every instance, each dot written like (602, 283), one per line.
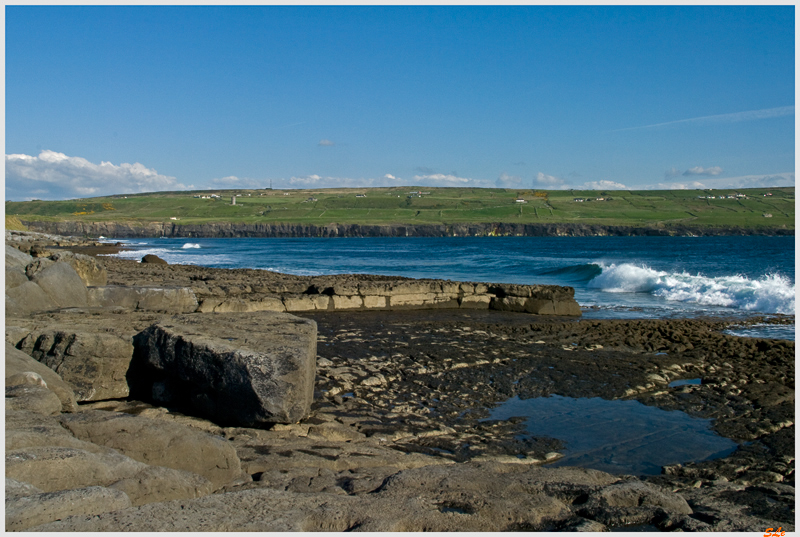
(613, 277)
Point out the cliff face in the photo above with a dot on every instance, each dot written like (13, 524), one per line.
(230, 230)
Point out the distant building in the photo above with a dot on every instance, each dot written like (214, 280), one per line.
(579, 199)
(520, 200)
(361, 195)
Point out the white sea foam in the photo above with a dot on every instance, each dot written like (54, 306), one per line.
(771, 293)
(138, 254)
(190, 245)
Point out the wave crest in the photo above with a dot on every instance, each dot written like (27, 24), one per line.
(771, 293)
(190, 245)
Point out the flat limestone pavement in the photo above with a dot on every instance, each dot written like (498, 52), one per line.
(226, 367)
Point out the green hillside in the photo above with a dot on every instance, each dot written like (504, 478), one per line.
(747, 208)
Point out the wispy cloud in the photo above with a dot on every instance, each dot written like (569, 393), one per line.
(508, 181)
(53, 175)
(432, 180)
(699, 170)
(735, 117)
(744, 181)
(232, 181)
(326, 143)
(551, 181)
(321, 181)
(604, 185)
(451, 179)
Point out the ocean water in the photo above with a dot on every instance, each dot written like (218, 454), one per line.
(613, 277)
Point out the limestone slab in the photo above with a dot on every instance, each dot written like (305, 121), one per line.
(32, 510)
(158, 443)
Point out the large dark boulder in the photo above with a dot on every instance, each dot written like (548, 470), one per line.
(248, 369)
(150, 258)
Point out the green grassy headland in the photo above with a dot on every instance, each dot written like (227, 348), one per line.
(425, 205)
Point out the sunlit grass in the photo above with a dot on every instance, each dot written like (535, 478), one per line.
(434, 206)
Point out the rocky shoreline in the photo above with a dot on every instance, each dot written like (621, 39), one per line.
(232, 230)
(396, 434)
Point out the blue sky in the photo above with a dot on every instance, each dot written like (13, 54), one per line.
(109, 99)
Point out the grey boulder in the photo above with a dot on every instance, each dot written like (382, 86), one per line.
(27, 298)
(90, 270)
(16, 258)
(247, 369)
(63, 285)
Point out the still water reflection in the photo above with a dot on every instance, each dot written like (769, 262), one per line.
(624, 437)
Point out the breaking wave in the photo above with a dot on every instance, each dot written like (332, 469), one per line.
(575, 273)
(771, 293)
(190, 245)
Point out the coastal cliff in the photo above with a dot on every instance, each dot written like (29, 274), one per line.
(236, 230)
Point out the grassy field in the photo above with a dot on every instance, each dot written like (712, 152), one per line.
(421, 205)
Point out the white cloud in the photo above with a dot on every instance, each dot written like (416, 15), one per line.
(451, 179)
(699, 170)
(605, 185)
(551, 181)
(694, 185)
(508, 181)
(438, 179)
(53, 175)
(326, 143)
(318, 181)
(672, 172)
(232, 181)
(744, 181)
